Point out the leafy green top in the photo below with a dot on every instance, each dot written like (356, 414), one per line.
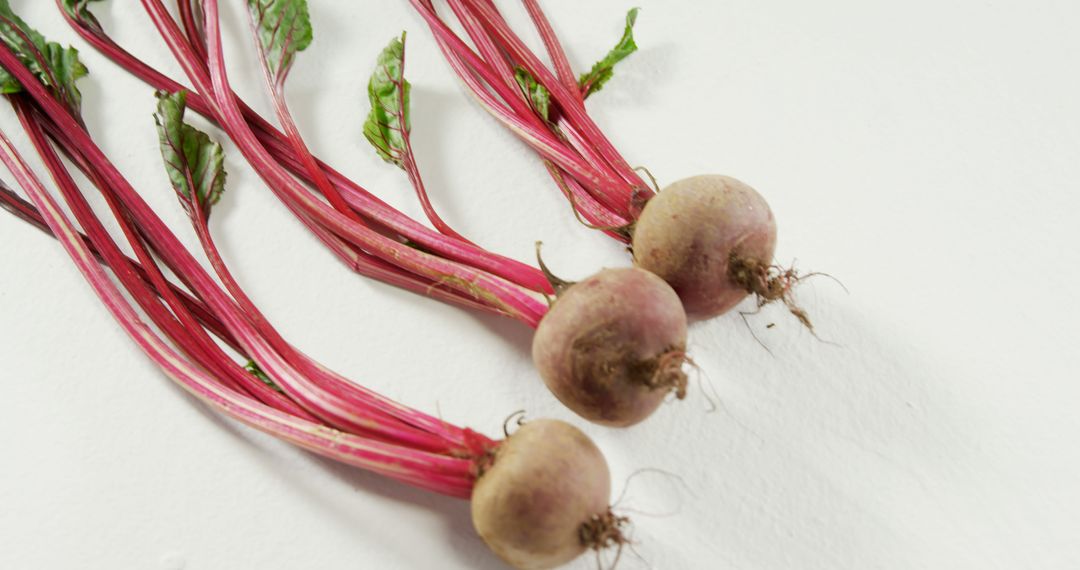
(538, 95)
(77, 9)
(57, 68)
(388, 124)
(284, 29)
(604, 69)
(192, 160)
(256, 371)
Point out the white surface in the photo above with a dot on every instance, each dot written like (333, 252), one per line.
(925, 152)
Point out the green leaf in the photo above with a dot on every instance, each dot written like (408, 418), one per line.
(604, 69)
(57, 68)
(388, 124)
(191, 157)
(78, 11)
(253, 368)
(284, 30)
(538, 94)
(77, 8)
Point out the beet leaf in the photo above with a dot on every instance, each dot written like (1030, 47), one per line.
(604, 69)
(194, 162)
(284, 29)
(388, 124)
(77, 8)
(538, 95)
(58, 68)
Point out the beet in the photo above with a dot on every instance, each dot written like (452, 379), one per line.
(709, 237)
(613, 346)
(544, 499)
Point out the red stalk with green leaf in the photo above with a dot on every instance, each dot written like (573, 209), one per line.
(711, 237)
(286, 394)
(611, 352)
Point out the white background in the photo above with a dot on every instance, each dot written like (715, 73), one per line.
(925, 152)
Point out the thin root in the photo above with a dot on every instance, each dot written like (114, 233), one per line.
(669, 373)
(655, 185)
(707, 382)
(630, 545)
(558, 284)
(639, 198)
(668, 474)
(743, 315)
(519, 416)
(831, 277)
(603, 531)
(625, 540)
(626, 231)
(769, 284)
(772, 283)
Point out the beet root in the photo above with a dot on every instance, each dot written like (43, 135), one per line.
(613, 346)
(712, 238)
(544, 499)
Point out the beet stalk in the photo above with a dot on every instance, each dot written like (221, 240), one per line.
(631, 368)
(385, 438)
(712, 238)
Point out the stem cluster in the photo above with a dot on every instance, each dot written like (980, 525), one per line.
(601, 186)
(199, 332)
(367, 234)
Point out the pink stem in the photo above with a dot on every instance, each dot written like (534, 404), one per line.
(554, 49)
(426, 470)
(583, 203)
(475, 443)
(521, 119)
(329, 388)
(187, 333)
(496, 60)
(26, 212)
(358, 198)
(508, 297)
(358, 415)
(358, 260)
(322, 379)
(180, 259)
(409, 161)
(191, 25)
(276, 87)
(613, 200)
(569, 102)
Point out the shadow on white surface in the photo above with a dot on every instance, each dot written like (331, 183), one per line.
(514, 335)
(457, 520)
(834, 451)
(454, 513)
(432, 145)
(637, 79)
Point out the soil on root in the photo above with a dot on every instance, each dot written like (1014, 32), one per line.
(770, 283)
(600, 356)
